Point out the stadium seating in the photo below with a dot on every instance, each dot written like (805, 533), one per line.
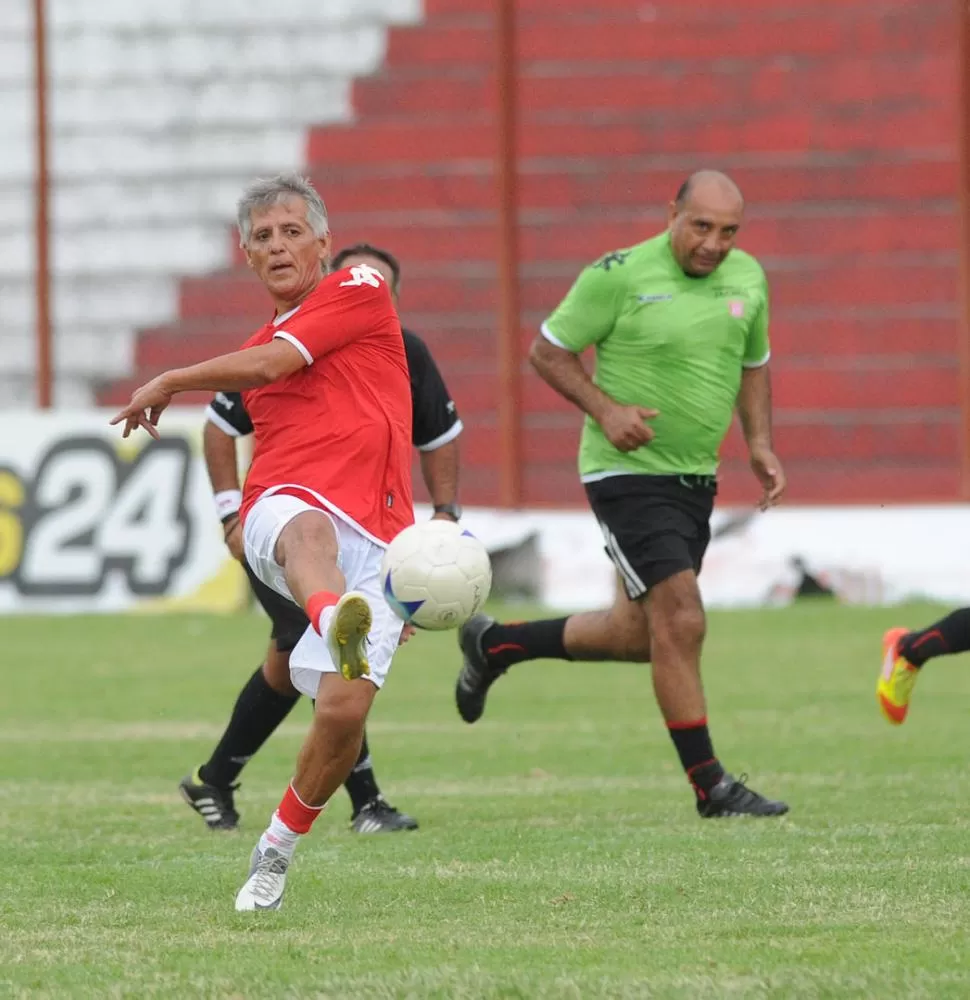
(159, 112)
(839, 120)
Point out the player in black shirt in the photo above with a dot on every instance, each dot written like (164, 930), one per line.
(268, 696)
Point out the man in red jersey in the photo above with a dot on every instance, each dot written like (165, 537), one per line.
(326, 386)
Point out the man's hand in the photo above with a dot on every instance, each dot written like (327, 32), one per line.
(406, 634)
(234, 539)
(624, 426)
(153, 396)
(767, 468)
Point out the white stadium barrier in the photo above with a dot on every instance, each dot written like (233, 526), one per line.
(91, 522)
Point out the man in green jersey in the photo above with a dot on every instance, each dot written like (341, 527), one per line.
(680, 329)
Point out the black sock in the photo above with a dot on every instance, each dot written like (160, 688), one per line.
(693, 743)
(257, 713)
(948, 635)
(517, 641)
(361, 784)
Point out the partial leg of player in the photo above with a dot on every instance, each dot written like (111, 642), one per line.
(904, 652)
(372, 813)
(326, 758)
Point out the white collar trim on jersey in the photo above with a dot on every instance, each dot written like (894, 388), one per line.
(285, 316)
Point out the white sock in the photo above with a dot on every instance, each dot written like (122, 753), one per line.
(279, 836)
(326, 616)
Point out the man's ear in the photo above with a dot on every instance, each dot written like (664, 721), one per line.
(324, 247)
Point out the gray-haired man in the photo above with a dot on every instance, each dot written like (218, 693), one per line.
(325, 384)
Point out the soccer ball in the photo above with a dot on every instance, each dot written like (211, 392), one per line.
(436, 575)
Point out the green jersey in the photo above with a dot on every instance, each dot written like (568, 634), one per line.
(666, 341)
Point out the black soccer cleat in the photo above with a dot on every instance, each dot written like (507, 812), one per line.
(215, 805)
(731, 797)
(476, 675)
(379, 816)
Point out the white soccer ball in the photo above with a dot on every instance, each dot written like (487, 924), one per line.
(436, 575)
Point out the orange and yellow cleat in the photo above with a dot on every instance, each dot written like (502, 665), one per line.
(895, 687)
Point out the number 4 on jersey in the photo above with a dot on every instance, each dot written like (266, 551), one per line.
(363, 274)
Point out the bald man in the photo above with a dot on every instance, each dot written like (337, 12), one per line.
(679, 325)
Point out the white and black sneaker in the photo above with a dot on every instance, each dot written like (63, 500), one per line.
(379, 816)
(267, 880)
(215, 805)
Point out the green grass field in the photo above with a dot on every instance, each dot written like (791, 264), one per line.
(559, 853)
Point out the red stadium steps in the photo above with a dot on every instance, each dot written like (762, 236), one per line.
(651, 133)
(237, 295)
(598, 183)
(557, 236)
(839, 120)
(859, 438)
(812, 386)
(442, 10)
(617, 36)
(809, 482)
(834, 83)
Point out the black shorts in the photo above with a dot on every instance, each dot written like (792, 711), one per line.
(653, 526)
(289, 620)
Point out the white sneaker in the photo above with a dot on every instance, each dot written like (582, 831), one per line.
(267, 880)
(350, 622)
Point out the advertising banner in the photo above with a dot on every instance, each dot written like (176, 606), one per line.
(92, 522)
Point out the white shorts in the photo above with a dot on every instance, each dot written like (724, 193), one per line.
(359, 559)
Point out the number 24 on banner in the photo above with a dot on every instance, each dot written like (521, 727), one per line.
(87, 513)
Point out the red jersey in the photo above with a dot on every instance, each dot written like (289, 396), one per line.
(341, 426)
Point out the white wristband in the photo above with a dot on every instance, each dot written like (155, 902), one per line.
(227, 502)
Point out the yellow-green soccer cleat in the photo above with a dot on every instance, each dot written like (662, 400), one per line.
(350, 623)
(895, 687)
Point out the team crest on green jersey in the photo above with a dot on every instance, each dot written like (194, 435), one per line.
(618, 257)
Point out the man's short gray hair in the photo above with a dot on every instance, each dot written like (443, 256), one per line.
(270, 191)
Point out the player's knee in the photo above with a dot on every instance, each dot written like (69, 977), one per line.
(342, 721)
(639, 645)
(276, 672)
(630, 632)
(686, 624)
(310, 533)
(342, 705)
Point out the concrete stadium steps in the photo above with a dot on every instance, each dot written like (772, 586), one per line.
(686, 13)
(835, 84)
(855, 435)
(599, 183)
(466, 343)
(677, 31)
(556, 485)
(811, 481)
(423, 137)
(557, 236)
(158, 114)
(838, 120)
(814, 386)
(802, 283)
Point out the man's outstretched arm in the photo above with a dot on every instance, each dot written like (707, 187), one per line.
(246, 369)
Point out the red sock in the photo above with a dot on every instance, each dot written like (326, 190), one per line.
(317, 603)
(295, 813)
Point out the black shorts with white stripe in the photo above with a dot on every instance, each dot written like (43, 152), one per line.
(653, 526)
